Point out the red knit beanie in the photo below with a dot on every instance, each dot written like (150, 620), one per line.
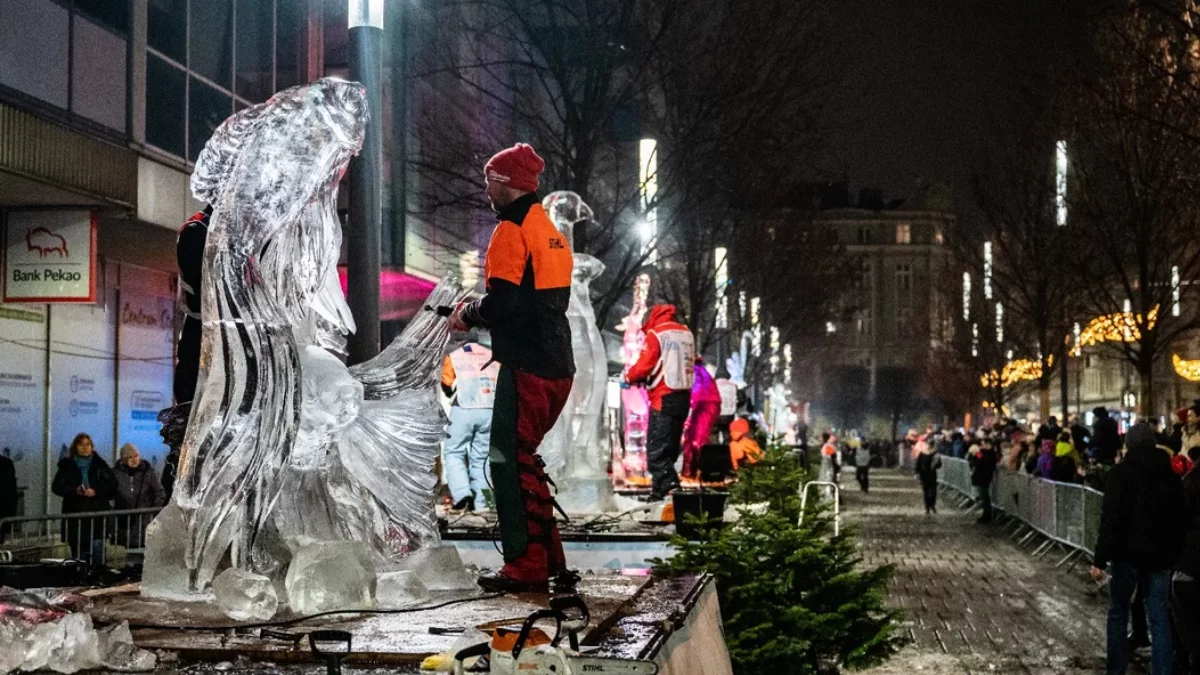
(518, 167)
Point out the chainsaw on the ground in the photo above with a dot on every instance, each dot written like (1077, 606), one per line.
(530, 651)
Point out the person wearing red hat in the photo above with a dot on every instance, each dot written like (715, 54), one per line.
(666, 366)
(528, 287)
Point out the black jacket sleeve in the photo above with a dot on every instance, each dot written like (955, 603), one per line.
(102, 480)
(65, 481)
(495, 308)
(1114, 516)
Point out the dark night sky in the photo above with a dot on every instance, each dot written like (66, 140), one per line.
(925, 78)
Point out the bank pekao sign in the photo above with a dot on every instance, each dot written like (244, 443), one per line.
(50, 256)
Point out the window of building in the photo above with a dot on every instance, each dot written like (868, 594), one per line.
(904, 283)
(209, 58)
(255, 36)
(903, 233)
(938, 237)
(166, 95)
(864, 325)
(864, 234)
(904, 322)
(864, 278)
(167, 28)
(71, 55)
(210, 43)
(290, 58)
(112, 14)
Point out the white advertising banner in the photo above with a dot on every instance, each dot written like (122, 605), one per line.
(50, 256)
(82, 360)
(22, 398)
(146, 371)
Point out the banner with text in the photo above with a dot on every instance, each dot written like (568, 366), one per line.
(82, 360)
(22, 398)
(50, 256)
(146, 367)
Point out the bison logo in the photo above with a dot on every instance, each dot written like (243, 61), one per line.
(46, 242)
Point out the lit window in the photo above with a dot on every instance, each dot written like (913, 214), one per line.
(903, 233)
(938, 237)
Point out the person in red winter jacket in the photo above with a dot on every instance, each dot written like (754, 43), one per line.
(665, 367)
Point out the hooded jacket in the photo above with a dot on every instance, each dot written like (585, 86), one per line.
(1142, 521)
(743, 449)
(1106, 441)
(704, 387)
(666, 362)
(985, 468)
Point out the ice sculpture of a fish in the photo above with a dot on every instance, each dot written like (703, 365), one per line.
(285, 443)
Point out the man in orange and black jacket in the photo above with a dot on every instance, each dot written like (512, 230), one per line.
(528, 272)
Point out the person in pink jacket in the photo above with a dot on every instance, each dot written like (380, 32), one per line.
(706, 408)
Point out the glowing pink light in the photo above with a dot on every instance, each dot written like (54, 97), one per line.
(401, 295)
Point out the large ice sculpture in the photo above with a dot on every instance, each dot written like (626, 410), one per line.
(285, 445)
(574, 450)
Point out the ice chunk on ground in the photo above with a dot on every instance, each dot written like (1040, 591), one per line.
(119, 653)
(13, 639)
(245, 596)
(330, 575)
(440, 567)
(397, 589)
(75, 645)
(165, 575)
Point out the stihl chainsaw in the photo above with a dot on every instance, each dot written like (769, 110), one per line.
(531, 652)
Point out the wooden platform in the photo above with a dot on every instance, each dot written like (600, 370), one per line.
(188, 633)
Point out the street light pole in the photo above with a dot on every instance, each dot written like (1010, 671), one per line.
(366, 182)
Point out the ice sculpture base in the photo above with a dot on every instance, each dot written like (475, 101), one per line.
(245, 596)
(440, 568)
(588, 495)
(330, 575)
(165, 575)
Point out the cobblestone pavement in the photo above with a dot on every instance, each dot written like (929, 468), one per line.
(975, 602)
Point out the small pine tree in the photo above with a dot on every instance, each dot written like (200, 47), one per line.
(794, 597)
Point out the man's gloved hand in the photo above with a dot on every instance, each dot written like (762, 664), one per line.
(456, 319)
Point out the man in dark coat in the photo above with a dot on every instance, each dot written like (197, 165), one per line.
(1106, 440)
(1141, 533)
(982, 472)
(1049, 431)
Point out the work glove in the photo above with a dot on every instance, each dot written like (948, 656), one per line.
(457, 323)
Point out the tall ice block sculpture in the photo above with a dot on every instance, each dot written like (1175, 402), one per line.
(574, 450)
(287, 448)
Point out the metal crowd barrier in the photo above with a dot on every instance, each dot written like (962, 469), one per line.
(1066, 514)
(93, 537)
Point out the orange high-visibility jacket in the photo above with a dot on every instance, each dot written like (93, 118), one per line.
(528, 271)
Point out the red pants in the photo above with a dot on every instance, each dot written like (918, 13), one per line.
(526, 407)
